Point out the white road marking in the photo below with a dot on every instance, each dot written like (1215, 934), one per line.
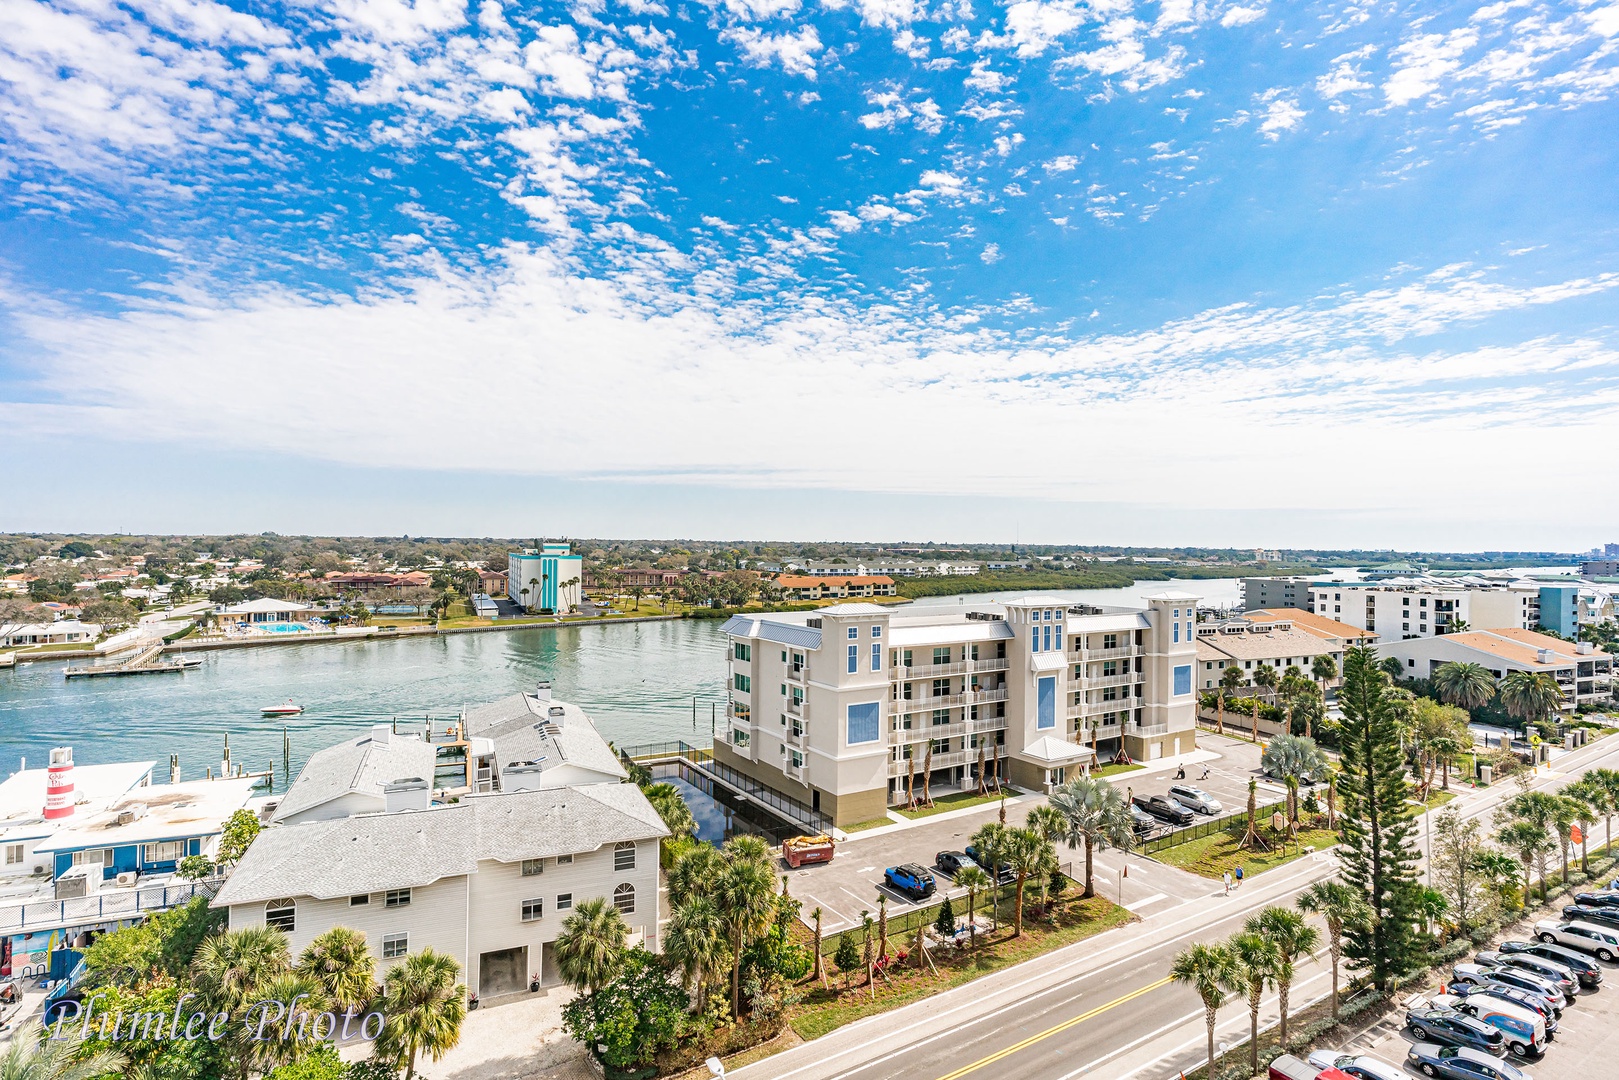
(1153, 899)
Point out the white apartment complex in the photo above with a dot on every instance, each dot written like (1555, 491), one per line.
(1584, 672)
(485, 871)
(837, 708)
(1400, 609)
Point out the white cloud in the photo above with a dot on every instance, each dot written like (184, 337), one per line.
(1125, 58)
(843, 221)
(1033, 26)
(762, 9)
(1425, 61)
(1356, 368)
(1065, 163)
(1281, 115)
(984, 77)
(991, 253)
(1242, 16)
(794, 52)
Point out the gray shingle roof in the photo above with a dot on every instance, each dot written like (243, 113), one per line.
(362, 764)
(410, 849)
(522, 729)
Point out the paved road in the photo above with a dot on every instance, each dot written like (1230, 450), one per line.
(1101, 1008)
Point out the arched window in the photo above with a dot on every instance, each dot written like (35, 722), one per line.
(624, 899)
(624, 855)
(281, 915)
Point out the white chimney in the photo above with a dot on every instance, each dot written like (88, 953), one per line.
(522, 776)
(59, 784)
(407, 793)
(543, 691)
(382, 734)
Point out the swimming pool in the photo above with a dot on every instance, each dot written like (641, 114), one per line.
(284, 628)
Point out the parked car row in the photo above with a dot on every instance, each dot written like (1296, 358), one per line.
(1180, 806)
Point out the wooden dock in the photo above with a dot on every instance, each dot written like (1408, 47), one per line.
(145, 662)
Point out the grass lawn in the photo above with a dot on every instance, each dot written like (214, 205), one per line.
(959, 800)
(1115, 770)
(822, 1010)
(861, 826)
(1438, 798)
(25, 651)
(1213, 855)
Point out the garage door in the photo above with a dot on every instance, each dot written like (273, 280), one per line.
(503, 972)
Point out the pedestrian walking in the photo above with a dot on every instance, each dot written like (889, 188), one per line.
(1239, 875)
(1227, 877)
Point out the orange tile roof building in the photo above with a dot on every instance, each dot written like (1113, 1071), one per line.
(798, 587)
(1584, 671)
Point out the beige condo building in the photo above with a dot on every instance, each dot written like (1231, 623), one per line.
(838, 708)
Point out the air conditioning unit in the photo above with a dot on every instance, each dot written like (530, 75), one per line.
(126, 879)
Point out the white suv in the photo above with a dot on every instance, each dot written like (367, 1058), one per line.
(1587, 937)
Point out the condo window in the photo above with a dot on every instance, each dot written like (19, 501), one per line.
(876, 656)
(854, 659)
(941, 716)
(742, 683)
(397, 898)
(740, 737)
(531, 867)
(168, 851)
(876, 631)
(533, 910)
(359, 900)
(742, 651)
(1183, 679)
(624, 855)
(281, 915)
(795, 759)
(624, 899)
(854, 632)
(1110, 641)
(564, 860)
(941, 655)
(395, 945)
(13, 854)
(565, 901)
(862, 722)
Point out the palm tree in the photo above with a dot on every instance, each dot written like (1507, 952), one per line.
(1588, 794)
(1265, 676)
(696, 941)
(1260, 962)
(1029, 855)
(694, 873)
(1324, 669)
(989, 851)
(1530, 697)
(304, 999)
(424, 1007)
(1431, 905)
(341, 964)
(677, 816)
(1231, 678)
(1339, 907)
(1500, 871)
(745, 893)
(974, 880)
(1293, 937)
(229, 967)
(1531, 845)
(1092, 813)
(1293, 758)
(56, 1059)
(1606, 781)
(1211, 971)
(1565, 812)
(1467, 686)
(591, 945)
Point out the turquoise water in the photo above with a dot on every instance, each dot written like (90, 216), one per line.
(638, 681)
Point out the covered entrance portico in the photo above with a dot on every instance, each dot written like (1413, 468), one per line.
(1050, 761)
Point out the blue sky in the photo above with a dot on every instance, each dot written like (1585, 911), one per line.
(1170, 272)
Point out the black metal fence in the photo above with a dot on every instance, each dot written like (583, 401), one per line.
(702, 759)
(1208, 827)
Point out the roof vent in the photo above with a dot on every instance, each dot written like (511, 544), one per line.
(542, 692)
(407, 793)
(557, 711)
(131, 814)
(382, 734)
(1545, 656)
(1585, 648)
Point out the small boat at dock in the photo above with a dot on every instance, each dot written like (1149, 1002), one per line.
(289, 709)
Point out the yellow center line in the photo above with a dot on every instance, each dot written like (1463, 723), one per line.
(1049, 1032)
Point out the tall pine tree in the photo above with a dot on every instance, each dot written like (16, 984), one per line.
(1378, 854)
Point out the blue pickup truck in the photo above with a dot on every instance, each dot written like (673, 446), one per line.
(912, 880)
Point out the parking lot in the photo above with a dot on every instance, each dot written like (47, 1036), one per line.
(852, 882)
(1587, 1042)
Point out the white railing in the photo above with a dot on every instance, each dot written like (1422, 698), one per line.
(102, 906)
(957, 667)
(940, 761)
(1101, 654)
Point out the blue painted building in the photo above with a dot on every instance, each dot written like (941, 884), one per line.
(149, 830)
(548, 580)
(1560, 609)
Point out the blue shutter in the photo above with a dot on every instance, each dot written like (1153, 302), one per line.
(1045, 709)
(862, 722)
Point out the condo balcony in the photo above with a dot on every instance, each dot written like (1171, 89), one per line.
(940, 761)
(1097, 682)
(1081, 655)
(1159, 728)
(922, 731)
(901, 673)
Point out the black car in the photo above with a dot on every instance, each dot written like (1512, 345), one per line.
(1164, 808)
(1450, 1028)
(1597, 899)
(951, 862)
(1599, 916)
(1003, 873)
(1144, 822)
(1577, 962)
